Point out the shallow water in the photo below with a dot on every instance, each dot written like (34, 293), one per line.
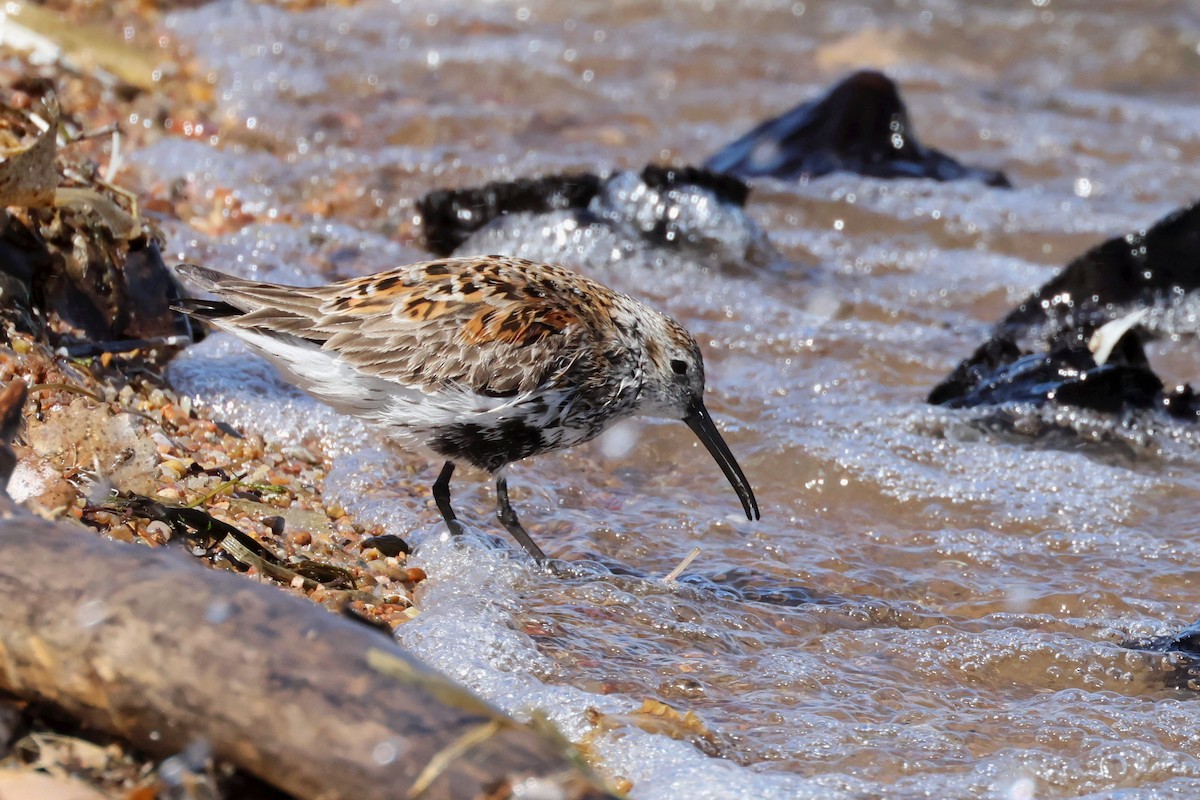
(969, 585)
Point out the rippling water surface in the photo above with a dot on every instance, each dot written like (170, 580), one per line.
(967, 588)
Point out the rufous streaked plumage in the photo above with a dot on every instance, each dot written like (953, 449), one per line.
(483, 360)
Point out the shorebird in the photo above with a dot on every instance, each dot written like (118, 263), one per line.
(480, 360)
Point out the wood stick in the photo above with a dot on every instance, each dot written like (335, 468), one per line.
(148, 645)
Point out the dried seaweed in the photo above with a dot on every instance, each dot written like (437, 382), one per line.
(240, 548)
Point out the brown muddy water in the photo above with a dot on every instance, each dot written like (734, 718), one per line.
(971, 586)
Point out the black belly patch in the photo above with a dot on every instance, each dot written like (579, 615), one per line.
(489, 447)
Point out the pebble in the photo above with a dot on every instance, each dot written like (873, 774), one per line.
(158, 531)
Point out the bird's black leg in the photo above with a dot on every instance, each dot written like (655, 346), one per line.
(508, 518)
(441, 496)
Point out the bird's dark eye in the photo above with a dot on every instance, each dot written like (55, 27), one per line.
(678, 367)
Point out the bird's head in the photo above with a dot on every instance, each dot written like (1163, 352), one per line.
(673, 387)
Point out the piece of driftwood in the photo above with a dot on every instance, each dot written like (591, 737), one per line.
(147, 645)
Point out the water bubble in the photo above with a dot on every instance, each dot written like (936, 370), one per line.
(387, 751)
(619, 440)
(91, 613)
(218, 611)
(537, 789)
(1023, 788)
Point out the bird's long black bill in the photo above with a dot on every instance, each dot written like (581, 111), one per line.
(701, 423)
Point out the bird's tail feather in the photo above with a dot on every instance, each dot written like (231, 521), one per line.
(206, 309)
(205, 278)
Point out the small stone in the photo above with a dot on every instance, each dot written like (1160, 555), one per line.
(158, 532)
(388, 544)
(172, 469)
(174, 415)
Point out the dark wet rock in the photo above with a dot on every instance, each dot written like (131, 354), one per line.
(1159, 265)
(1187, 641)
(389, 544)
(1039, 353)
(1001, 372)
(728, 188)
(21, 255)
(1183, 669)
(861, 125)
(12, 402)
(150, 290)
(65, 275)
(450, 216)
(77, 262)
(1183, 402)
(595, 220)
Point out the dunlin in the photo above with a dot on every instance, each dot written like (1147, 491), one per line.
(482, 360)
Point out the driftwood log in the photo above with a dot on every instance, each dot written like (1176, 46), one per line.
(148, 645)
(141, 643)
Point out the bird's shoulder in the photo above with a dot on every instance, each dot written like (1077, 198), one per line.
(495, 325)
(490, 300)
